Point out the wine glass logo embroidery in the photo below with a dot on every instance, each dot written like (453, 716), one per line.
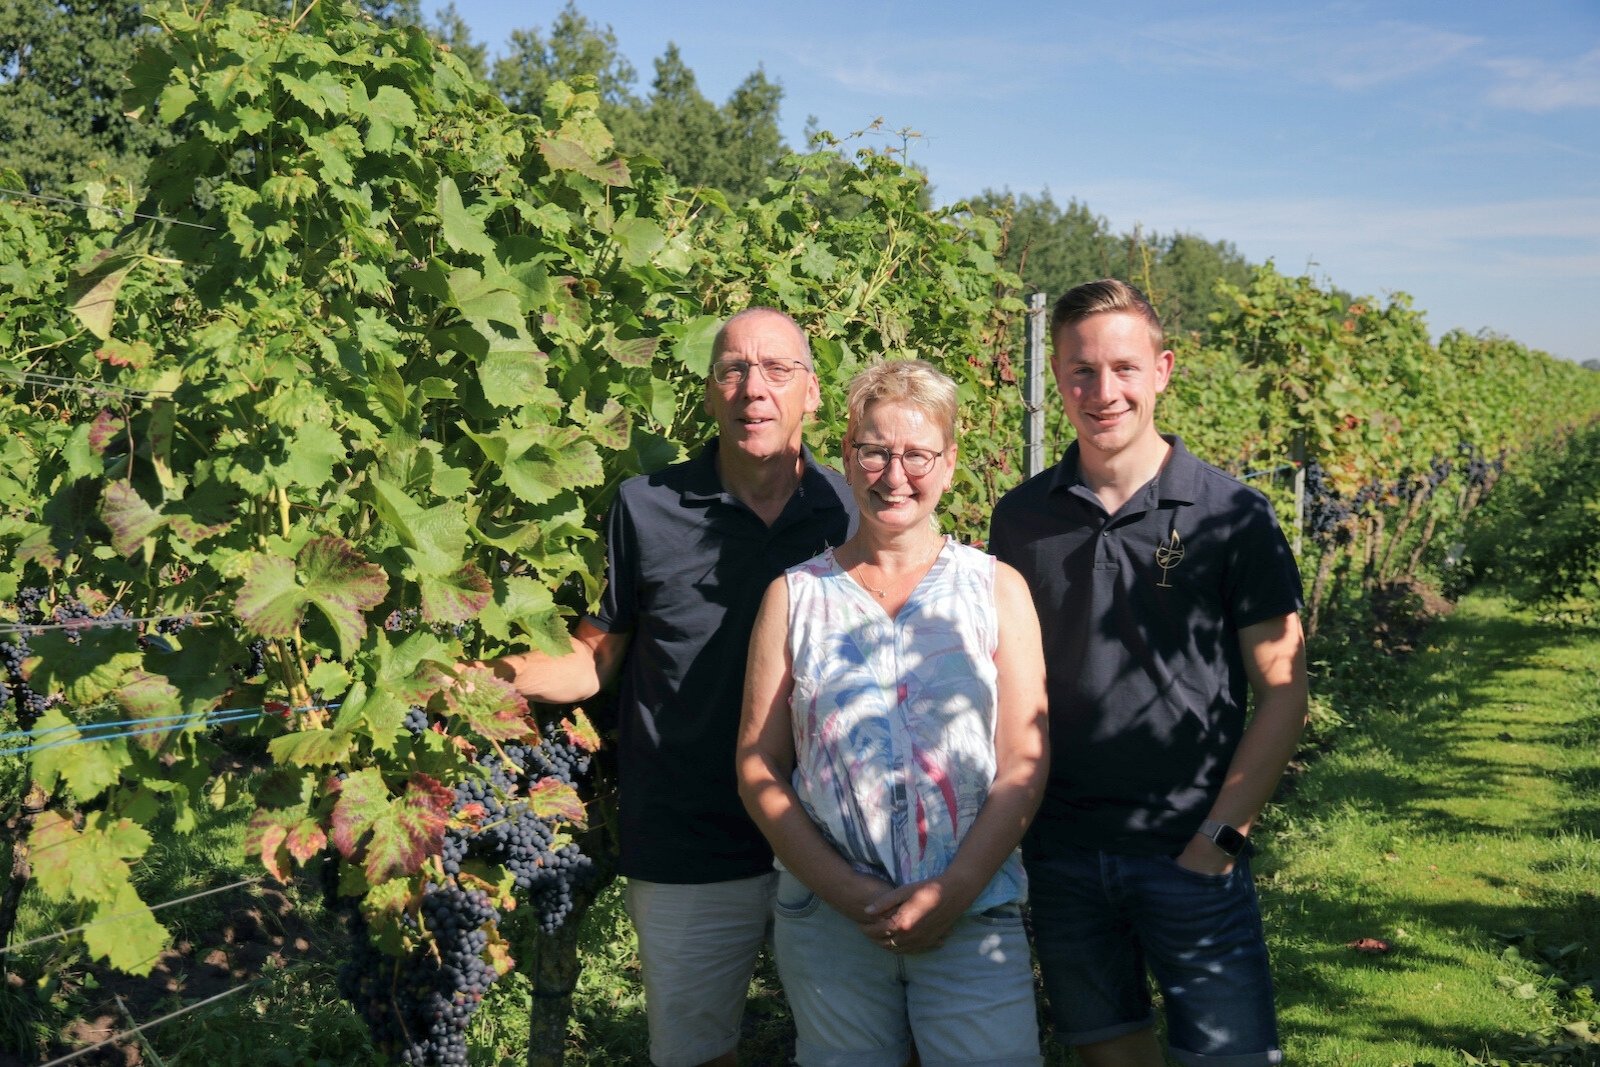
(1169, 554)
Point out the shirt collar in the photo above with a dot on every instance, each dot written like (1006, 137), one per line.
(703, 483)
(1177, 483)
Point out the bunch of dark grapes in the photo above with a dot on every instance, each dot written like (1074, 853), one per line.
(1325, 512)
(28, 601)
(73, 614)
(509, 832)
(30, 705)
(402, 620)
(1439, 471)
(257, 664)
(14, 651)
(416, 721)
(418, 1006)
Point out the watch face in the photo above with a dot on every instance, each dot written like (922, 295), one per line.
(1229, 840)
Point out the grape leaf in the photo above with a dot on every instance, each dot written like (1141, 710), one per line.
(88, 768)
(461, 229)
(124, 932)
(89, 865)
(491, 706)
(456, 597)
(581, 732)
(332, 576)
(399, 833)
(557, 801)
(342, 585)
(565, 154)
(312, 748)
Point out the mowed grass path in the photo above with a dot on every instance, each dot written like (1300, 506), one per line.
(1455, 819)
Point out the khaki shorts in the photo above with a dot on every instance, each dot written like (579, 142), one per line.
(698, 946)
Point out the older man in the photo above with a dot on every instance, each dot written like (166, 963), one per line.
(690, 549)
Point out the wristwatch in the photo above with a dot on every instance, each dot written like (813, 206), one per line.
(1223, 836)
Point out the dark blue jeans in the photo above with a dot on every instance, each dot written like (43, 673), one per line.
(1102, 920)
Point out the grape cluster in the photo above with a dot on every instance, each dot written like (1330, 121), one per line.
(13, 653)
(257, 665)
(70, 611)
(1325, 511)
(402, 620)
(418, 1005)
(509, 832)
(416, 721)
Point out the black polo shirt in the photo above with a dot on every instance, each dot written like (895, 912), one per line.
(1140, 613)
(687, 564)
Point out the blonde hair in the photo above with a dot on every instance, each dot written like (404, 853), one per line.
(906, 381)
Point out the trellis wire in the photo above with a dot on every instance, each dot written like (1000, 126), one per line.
(114, 1038)
(100, 621)
(19, 946)
(83, 385)
(121, 213)
(215, 719)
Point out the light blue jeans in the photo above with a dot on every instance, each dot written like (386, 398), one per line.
(856, 1004)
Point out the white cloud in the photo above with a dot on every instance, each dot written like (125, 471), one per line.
(1537, 85)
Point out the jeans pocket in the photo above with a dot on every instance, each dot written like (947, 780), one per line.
(793, 899)
(1201, 877)
(1000, 915)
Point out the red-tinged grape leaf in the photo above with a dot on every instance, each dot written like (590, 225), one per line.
(135, 354)
(265, 837)
(470, 815)
(129, 939)
(497, 953)
(413, 831)
(88, 768)
(129, 518)
(558, 802)
(563, 154)
(491, 706)
(269, 601)
(149, 696)
(312, 748)
(581, 732)
(362, 799)
(103, 430)
(455, 598)
(305, 840)
(631, 351)
(343, 585)
(86, 866)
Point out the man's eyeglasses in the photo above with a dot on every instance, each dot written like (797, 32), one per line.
(914, 461)
(775, 371)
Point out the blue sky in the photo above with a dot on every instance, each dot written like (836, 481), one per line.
(1449, 151)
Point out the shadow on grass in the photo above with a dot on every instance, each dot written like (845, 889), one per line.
(1425, 775)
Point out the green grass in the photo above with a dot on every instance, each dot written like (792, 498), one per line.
(1456, 819)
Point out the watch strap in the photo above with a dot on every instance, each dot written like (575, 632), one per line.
(1225, 837)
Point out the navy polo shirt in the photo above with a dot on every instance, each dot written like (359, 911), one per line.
(1140, 613)
(687, 564)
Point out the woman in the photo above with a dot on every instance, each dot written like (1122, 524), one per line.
(892, 750)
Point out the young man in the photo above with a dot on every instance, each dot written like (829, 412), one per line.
(690, 550)
(1167, 594)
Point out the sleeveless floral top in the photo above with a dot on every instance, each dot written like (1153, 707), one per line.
(894, 719)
